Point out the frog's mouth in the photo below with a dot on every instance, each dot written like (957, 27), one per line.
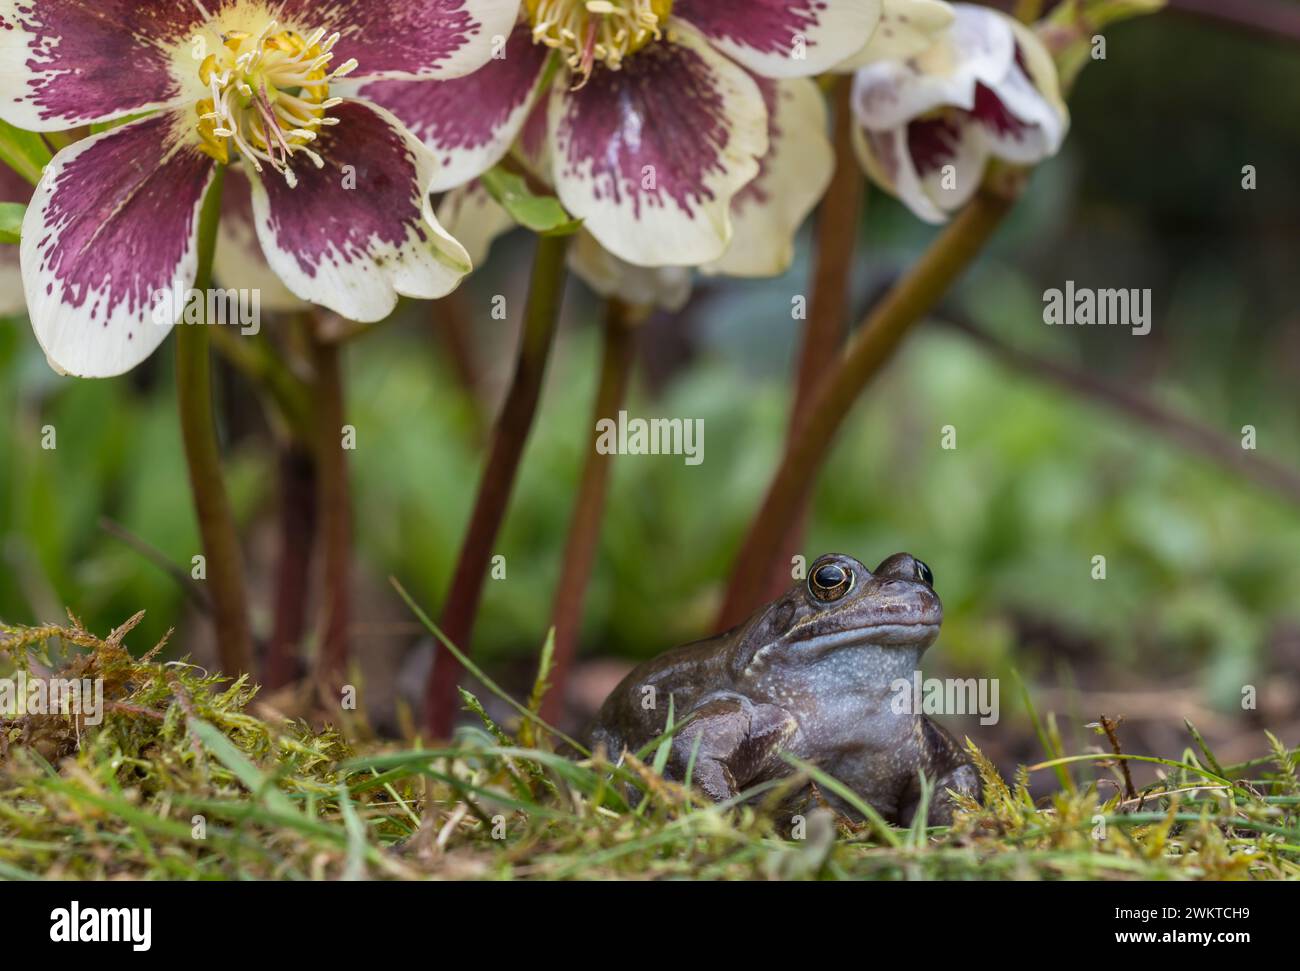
(879, 635)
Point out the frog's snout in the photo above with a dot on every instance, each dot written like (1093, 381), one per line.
(905, 592)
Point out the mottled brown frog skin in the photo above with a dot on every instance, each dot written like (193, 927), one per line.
(811, 674)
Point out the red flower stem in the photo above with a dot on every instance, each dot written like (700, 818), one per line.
(838, 219)
(869, 349)
(589, 506)
(297, 511)
(334, 502)
(290, 398)
(546, 291)
(224, 560)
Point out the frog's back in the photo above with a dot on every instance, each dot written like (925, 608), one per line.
(637, 710)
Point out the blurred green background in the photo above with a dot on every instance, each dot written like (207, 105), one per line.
(1203, 588)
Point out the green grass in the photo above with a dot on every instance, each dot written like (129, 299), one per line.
(181, 781)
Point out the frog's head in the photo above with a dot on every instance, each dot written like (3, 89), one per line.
(841, 605)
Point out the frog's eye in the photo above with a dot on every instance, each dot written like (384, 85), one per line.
(924, 574)
(830, 582)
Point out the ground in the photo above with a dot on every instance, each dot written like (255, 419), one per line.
(188, 776)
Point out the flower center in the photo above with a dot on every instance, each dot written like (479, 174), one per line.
(591, 31)
(270, 95)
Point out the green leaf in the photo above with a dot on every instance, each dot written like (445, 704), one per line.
(541, 214)
(23, 151)
(830, 783)
(471, 702)
(242, 768)
(102, 126)
(11, 221)
(356, 830)
(540, 686)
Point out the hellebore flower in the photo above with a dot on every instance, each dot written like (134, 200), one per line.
(765, 214)
(13, 188)
(928, 124)
(651, 116)
(339, 188)
(471, 215)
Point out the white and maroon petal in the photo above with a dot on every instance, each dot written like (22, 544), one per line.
(66, 63)
(950, 178)
(887, 94)
(109, 233)
(1033, 58)
(784, 38)
(475, 219)
(1017, 94)
(469, 122)
(1030, 94)
(239, 263)
(793, 176)
(13, 188)
(1024, 135)
(665, 287)
(650, 156)
(408, 38)
(887, 160)
(359, 232)
(978, 47)
(907, 27)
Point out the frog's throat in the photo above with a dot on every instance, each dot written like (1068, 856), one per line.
(268, 97)
(591, 32)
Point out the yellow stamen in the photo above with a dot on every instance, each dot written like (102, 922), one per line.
(269, 97)
(211, 143)
(588, 32)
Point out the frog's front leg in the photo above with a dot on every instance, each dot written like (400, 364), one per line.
(947, 766)
(738, 744)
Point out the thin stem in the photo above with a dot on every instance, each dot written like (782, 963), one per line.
(1028, 11)
(289, 402)
(873, 344)
(335, 509)
(546, 291)
(838, 219)
(293, 562)
(192, 589)
(589, 506)
(1269, 18)
(1179, 429)
(224, 561)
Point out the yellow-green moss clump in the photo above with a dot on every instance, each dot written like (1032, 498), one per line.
(179, 780)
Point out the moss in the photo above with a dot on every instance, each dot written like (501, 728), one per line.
(181, 780)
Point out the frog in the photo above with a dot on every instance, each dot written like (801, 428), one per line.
(816, 674)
